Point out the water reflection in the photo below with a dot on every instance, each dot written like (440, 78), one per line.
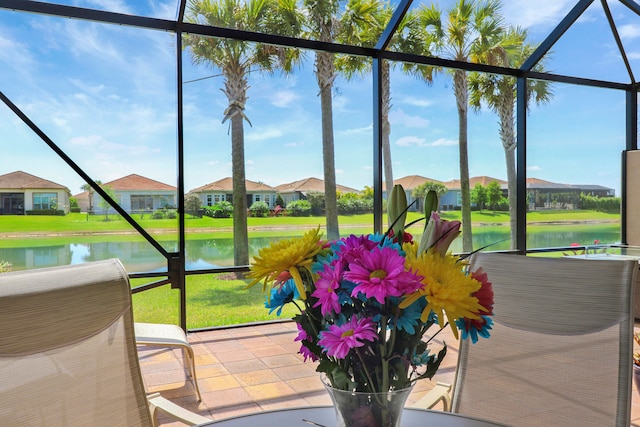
(136, 256)
(210, 253)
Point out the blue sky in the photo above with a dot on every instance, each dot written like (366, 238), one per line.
(106, 95)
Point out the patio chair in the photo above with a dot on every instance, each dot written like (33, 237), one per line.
(68, 354)
(172, 336)
(560, 352)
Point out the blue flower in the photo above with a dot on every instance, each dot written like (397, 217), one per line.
(473, 332)
(280, 296)
(422, 359)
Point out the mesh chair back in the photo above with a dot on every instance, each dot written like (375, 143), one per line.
(67, 348)
(560, 351)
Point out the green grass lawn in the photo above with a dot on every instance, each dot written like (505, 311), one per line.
(83, 223)
(212, 300)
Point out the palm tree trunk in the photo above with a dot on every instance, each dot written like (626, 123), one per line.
(507, 135)
(325, 74)
(240, 233)
(460, 89)
(386, 127)
(236, 92)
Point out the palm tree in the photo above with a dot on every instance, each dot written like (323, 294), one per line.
(323, 25)
(89, 189)
(499, 94)
(236, 59)
(470, 33)
(364, 22)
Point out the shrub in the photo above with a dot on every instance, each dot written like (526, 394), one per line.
(259, 209)
(316, 203)
(219, 210)
(352, 204)
(5, 266)
(170, 214)
(299, 208)
(159, 214)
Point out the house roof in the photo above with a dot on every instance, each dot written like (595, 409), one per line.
(132, 182)
(226, 184)
(137, 182)
(413, 181)
(22, 180)
(311, 185)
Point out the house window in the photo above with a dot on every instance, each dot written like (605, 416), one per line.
(217, 198)
(257, 198)
(166, 201)
(266, 200)
(209, 200)
(141, 203)
(45, 201)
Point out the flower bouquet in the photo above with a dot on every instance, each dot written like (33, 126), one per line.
(367, 302)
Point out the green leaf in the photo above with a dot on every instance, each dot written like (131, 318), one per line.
(430, 205)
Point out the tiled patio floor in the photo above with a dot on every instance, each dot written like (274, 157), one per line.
(256, 368)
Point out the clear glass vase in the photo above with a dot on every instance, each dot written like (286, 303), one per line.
(357, 409)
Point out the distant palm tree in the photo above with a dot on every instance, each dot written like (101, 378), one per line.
(499, 94)
(364, 22)
(89, 189)
(236, 59)
(471, 32)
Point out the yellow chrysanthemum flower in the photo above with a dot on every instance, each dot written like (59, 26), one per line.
(447, 289)
(290, 256)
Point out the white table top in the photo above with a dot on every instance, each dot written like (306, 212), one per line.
(325, 416)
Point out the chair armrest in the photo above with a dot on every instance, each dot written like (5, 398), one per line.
(438, 393)
(178, 412)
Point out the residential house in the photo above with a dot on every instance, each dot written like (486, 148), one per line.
(222, 190)
(298, 190)
(541, 194)
(134, 193)
(551, 195)
(21, 192)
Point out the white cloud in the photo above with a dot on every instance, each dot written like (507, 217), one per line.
(358, 131)
(443, 142)
(416, 102)
(629, 32)
(264, 134)
(16, 55)
(544, 13)
(283, 98)
(110, 5)
(534, 168)
(399, 117)
(88, 141)
(92, 90)
(407, 141)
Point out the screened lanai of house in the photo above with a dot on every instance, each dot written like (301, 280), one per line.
(93, 91)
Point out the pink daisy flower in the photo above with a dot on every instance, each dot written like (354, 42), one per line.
(339, 340)
(380, 273)
(353, 246)
(326, 286)
(304, 350)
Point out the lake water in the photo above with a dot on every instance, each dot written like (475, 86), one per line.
(208, 253)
